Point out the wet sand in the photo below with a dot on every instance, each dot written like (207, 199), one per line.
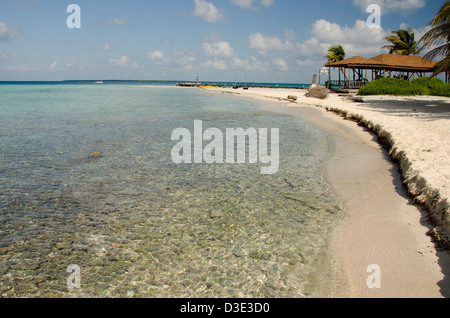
(380, 225)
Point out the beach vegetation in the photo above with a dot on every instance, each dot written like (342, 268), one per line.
(402, 43)
(392, 86)
(438, 38)
(442, 90)
(434, 86)
(401, 87)
(335, 54)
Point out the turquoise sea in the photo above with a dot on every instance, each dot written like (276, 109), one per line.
(135, 223)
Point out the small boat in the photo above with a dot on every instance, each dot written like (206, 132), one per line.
(99, 82)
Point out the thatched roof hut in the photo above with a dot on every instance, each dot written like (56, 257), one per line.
(356, 70)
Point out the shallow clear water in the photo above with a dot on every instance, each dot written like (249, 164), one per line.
(139, 225)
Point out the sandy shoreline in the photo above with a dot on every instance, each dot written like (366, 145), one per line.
(381, 225)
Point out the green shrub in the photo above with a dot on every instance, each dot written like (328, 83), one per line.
(429, 83)
(400, 87)
(422, 81)
(443, 90)
(393, 86)
(435, 86)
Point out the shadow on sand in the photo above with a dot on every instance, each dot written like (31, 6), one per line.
(431, 109)
(426, 221)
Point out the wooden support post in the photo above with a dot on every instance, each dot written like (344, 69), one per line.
(348, 78)
(339, 83)
(329, 79)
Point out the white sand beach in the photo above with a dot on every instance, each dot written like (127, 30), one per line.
(382, 226)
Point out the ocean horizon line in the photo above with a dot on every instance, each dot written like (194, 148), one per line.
(174, 82)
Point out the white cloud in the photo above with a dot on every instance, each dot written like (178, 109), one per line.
(391, 5)
(105, 47)
(218, 49)
(281, 64)
(24, 4)
(246, 4)
(53, 66)
(6, 33)
(267, 3)
(308, 56)
(262, 43)
(305, 62)
(332, 32)
(115, 22)
(211, 36)
(71, 63)
(237, 62)
(2, 55)
(122, 61)
(183, 60)
(356, 40)
(256, 65)
(217, 64)
(156, 55)
(207, 11)
(290, 35)
(403, 5)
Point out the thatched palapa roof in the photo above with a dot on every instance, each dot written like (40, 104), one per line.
(405, 62)
(388, 61)
(355, 61)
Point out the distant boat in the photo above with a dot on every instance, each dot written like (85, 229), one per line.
(99, 82)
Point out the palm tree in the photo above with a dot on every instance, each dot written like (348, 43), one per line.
(403, 43)
(439, 36)
(336, 54)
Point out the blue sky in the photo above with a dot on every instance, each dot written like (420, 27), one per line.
(275, 40)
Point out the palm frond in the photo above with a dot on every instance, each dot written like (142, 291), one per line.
(336, 54)
(439, 35)
(402, 43)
